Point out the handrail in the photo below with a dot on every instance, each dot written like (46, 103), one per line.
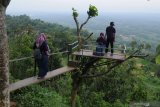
(75, 44)
(70, 48)
(24, 58)
(122, 48)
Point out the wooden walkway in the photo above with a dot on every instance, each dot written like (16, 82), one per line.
(51, 74)
(89, 53)
(33, 80)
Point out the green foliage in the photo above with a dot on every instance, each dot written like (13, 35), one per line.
(158, 59)
(123, 84)
(61, 84)
(120, 86)
(75, 13)
(139, 93)
(94, 99)
(158, 50)
(92, 11)
(18, 25)
(36, 96)
(21, 46)
(133, 44)
(78, 104)
(22, 32)
(118, 103)
(148, 46)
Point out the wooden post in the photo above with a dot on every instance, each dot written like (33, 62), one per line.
(69, 51)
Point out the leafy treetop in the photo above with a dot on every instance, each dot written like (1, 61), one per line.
(92, 11)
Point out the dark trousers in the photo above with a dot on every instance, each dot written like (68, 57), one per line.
(109, 42)
(43, 66)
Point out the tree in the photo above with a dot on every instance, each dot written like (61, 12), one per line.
(133, 44)
(92, 12)
(4, 78)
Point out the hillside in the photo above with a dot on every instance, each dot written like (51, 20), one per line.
(133, 81)
(142, 27)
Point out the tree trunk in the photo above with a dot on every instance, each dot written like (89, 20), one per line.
(73, 96)
(4, 77)
(77, 80)
(75, 86)
(79, 40)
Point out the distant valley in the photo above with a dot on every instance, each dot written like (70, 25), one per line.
(141, 27)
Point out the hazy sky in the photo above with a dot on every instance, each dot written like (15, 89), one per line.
(106, 6)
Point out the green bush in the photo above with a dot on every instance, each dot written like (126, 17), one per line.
(36, 96)
(118, 103)
(95, 99)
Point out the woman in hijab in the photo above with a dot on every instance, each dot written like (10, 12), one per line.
(100, 45)
(101, 39)
(41, 43)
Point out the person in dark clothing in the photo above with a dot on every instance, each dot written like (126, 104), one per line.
(100, 45)
(41, 43)
(110, 33)
(101, 39)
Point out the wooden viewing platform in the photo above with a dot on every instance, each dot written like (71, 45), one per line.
(33, 80)
(89, 53)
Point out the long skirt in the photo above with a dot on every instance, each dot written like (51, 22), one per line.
(43, 66)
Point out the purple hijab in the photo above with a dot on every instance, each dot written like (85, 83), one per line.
(40, 39)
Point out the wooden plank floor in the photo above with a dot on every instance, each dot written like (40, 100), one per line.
(33, 80)
(89, 53)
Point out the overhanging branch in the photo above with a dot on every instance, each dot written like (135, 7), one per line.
(88, 36)
(140, 56)
(113, 66)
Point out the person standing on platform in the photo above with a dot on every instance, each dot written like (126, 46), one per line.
(41, 54)
(110, 33)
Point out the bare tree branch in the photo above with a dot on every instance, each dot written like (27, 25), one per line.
(77, 23)
(88, 36)
(140, 56)
(110, 68)
(84, 22)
